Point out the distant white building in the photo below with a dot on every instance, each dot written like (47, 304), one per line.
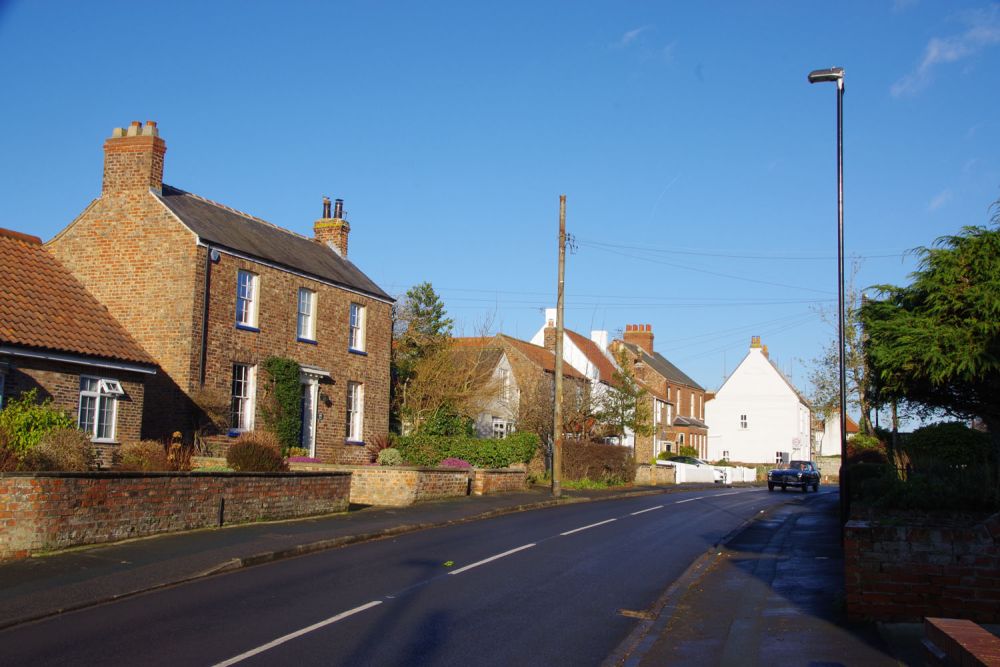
(757, 415)
(828, 439)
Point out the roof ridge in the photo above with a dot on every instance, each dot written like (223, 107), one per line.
(20, 236)
(238, 212)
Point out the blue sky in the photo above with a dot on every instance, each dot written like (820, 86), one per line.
(698, 163)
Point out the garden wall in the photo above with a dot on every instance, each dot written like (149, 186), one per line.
(485, 482)
(46, 511)
(908, 572)
(401, 486)
(647, 475)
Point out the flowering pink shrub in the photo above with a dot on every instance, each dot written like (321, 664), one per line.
(452, 462)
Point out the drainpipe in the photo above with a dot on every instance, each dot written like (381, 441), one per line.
(209, 252)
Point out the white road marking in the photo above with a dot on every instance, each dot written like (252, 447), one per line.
(731, 493)
(689, 500)
(593, 525)
(650, 509)
(491, 558)
(298, 633)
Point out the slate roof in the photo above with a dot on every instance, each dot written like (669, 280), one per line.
(663, 367)
(228, 228)
(43, 306)
(605, 368)
(689, 421)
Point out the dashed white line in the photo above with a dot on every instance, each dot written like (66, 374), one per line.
(491, 558)
(593, 525)
(298, 633)
(648, 509)
(689, 500)
(731, 493)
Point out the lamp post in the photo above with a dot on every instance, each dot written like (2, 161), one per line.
(836, 75)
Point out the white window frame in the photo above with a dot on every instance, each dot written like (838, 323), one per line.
(242, 420)
(305, 326)
(504, 391)
(101, 391)
(356, 327)
(779, 457)
(744, 421)
(355, 414)
(725, 454)
(247, 290)
(502, 428)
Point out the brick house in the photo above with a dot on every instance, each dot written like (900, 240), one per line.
(678, 401)
(56, 338)
(211, 292)
(522, 381)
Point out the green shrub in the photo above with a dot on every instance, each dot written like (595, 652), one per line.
(61, 449)
(389, 457)
(9, 459)
(446, 422)
(428, 450)
(298, 451)
(253, 453)
(687, 450)
(282, 408)
(142, 456)
(377, 443)
(946, 443)
(26, 420)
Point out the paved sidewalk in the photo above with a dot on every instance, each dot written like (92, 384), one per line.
(41, 586)
(772, 595)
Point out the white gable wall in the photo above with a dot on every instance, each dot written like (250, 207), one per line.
(776, 419)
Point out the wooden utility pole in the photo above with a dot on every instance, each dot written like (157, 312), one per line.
(557, 419)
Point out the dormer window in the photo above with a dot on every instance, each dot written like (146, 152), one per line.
(246, 299)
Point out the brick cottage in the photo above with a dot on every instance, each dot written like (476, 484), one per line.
(56, 339)
(211, 292)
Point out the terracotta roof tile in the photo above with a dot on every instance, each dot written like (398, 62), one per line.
(537, 355)
(605, 368)
(43, 306)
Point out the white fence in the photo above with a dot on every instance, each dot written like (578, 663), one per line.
(689, 473)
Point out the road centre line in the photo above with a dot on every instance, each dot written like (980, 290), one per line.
(648, 509)
(298, 633)
(491, 558)
(593, 525)
(689, 500)
(731, 493)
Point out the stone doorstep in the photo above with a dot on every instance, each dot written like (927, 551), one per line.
(949, 641)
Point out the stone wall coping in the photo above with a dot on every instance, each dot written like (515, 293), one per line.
(114, 474)
(345, 466)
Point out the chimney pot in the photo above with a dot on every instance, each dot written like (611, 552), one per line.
(133, 159)
(338, 209)
(326, 208)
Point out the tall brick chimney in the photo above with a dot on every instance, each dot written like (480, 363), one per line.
(333, 229)
(550, 329)
(641, 335)
(133, 159)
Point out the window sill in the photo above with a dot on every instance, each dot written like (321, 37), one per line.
(247, 327)
(308, 341)
(356, 443)
(361, 353)
(104, 441)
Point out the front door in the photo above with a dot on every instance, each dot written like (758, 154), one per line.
(310, 391)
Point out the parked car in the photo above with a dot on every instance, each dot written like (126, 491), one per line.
(802, 474)
(690, 460)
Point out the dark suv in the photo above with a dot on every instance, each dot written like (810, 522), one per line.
(798, 473)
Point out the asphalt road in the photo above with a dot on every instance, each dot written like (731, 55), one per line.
(540, 587)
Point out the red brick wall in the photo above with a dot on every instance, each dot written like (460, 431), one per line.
(908, 572)
(45, 511)
(60, 381)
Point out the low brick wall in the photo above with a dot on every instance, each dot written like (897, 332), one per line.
(401, 486)
(647, 475)
(46, 511)
(501, 480)
(908, 572)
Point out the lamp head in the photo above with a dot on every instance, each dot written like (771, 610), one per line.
(832, 74)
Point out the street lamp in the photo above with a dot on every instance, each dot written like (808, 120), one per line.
(836, 75)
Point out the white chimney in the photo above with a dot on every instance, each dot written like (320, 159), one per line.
(550, 317)
(601, 338)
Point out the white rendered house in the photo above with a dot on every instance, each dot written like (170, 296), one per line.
(757, 415)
